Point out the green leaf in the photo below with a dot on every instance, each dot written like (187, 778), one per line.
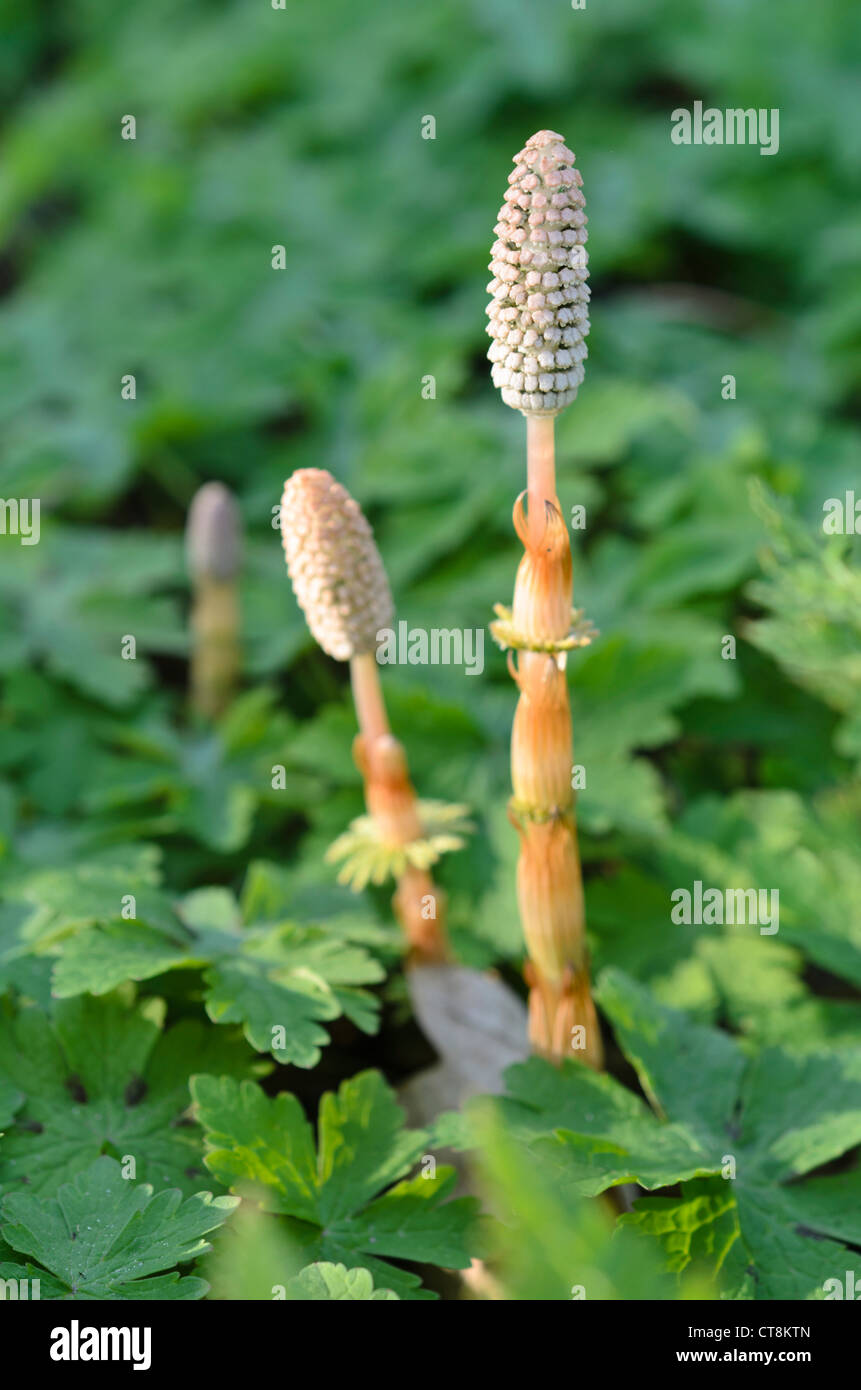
(550, 1243)
(280, 982)
(756, 1123)
(347, 1193)
(242, 991)
(75, 597)
(712, 972)
(685, 1070)
(271, 893)
(699, 1229)
(102, 1237)
(104, 1078)
(614, 414)
(624, 692)
(211, 782)
(97, 960)
(830, 1206)
(611, 1135)
(10, 1101)
(813, 597)
(330, 1282)
(774, 840)
(19, 970)
(118, 887)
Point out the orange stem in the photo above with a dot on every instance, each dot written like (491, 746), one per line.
(368, 696)
(541, 470)
(391, 799)
(549, 880)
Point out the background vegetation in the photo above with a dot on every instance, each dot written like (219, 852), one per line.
(258, 127)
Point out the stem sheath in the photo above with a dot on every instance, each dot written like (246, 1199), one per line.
(549, 879)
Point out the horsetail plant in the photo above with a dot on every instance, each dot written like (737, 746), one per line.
(341, 586)
(213, 547)
(538, 323)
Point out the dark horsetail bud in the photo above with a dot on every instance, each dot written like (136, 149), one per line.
(213, 533)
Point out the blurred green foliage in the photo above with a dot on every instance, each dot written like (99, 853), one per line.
(257, 128)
